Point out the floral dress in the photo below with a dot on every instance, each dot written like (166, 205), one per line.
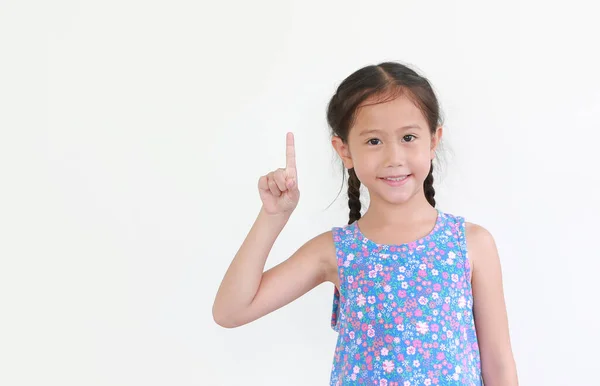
(404, 313)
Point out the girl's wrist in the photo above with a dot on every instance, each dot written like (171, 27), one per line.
(276, 218)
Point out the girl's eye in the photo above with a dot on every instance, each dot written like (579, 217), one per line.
(409, 135)
(373, 141)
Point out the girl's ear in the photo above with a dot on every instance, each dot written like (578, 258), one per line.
(435, 141)
(343, 151)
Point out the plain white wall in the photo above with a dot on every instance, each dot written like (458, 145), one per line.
(133, 134)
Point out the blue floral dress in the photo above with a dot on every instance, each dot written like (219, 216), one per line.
(404, 313)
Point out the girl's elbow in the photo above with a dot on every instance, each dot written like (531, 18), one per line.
(501, 373)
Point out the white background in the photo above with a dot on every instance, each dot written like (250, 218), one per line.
(133, 134)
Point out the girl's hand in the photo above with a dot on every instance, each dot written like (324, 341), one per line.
(279, 189)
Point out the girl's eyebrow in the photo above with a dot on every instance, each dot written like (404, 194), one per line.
(375, 131)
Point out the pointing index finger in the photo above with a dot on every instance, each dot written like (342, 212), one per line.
(290, 155)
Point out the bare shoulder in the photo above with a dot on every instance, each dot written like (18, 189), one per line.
(480, 243)
(322, 247)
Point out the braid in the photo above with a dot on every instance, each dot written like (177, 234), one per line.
(428, 187)
(353, 196)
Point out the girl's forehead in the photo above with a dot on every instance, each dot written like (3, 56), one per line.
(389, 115)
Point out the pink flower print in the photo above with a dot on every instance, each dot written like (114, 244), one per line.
(410, 350)
(388, 366)
(435, 327)
(446, 307)
(422, 327)
(440, 356)
(437, 287)
(423, 300)
(412, 245)
(372, 273)
(383, 382)
(371, 299)
(402, 293)
(360, 300)
(418, 312)
(422, 273)
(398, 319)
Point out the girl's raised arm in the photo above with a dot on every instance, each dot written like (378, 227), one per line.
(246, 293)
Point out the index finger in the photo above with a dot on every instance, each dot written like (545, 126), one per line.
(290, 154)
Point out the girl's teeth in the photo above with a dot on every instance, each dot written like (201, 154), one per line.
(396, 179)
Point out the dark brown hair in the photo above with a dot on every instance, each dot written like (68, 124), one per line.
(385, 82)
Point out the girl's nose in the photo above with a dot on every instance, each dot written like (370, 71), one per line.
(395, 155)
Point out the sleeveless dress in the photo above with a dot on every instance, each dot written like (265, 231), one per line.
(404, 313)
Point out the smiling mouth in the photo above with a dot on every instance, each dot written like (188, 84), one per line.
(396, 178)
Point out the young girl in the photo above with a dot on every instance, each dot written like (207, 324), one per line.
(418, 297)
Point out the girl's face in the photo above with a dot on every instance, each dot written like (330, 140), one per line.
(389, 141)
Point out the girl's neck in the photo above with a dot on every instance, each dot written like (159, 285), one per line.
(381, 213)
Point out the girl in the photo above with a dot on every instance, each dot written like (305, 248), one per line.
(418, 297)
